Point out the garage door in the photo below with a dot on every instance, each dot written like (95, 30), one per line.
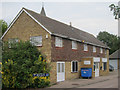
(114, 63)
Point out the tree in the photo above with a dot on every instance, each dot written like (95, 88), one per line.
(110, 40)
(20, 63)
(116, 11)
(3, 26)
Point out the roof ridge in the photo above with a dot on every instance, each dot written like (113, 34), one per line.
(59, 22)
(64, 29)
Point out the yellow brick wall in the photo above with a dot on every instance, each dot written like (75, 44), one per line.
(71, 75)
(24, 28)
(88, 66)
(53, 72)
(106, 72)
(68, 74)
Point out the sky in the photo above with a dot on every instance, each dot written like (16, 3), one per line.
(91, 17)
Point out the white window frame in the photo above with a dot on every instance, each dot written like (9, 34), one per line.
(94, 49)
(85, 47)
(74, 65)
(74, 45)
(58, 42)
(39, 38)
(101, 50)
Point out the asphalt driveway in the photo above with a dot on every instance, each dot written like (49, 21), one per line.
(109, 81)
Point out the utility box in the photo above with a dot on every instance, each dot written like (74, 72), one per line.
(86, 72)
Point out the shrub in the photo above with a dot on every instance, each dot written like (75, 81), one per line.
(20, 63)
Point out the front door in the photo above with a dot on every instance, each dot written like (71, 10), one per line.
(60, 71)
(96, 66)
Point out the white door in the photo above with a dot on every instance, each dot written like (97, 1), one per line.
(114, 63)
(96, 69)
(60, 71)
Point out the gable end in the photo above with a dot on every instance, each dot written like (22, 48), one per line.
(14, 20)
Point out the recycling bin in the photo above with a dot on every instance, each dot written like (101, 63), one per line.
(86, 72)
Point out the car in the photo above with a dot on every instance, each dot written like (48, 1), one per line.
(111, 68)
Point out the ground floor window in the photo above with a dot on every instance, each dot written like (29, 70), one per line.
(74, 66)
(104, 65)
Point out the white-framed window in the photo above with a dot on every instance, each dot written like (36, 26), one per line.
(105, 51)
(36, 40)
(74, 66)
(12, 42)
(74, 45)
(101, 50)
(58, 42)
(104, 65)
(94, 49)
(85, 47)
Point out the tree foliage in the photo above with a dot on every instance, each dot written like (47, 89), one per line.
(3, 26)
(20, 63)
(116, 10)
(110, 40)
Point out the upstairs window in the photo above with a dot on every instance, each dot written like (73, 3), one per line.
(94, 49)
(36, 40)
(74, 45)
(58, 42)
(12, 42)
(105, 51)
(101, 50)
(85, 47)
(74, 66)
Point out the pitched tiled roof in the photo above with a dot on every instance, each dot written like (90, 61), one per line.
(115, 55)
(59, 28)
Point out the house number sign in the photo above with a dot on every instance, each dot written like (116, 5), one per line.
(41, 75)
(87, 62)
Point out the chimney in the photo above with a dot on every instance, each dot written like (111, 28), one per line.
(43, 10)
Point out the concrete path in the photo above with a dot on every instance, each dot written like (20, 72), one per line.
(109, 81)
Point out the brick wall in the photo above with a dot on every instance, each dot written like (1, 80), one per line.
(24, 28)
(66, 53)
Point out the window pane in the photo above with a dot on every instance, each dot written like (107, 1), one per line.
(58, 42)
(58, 67)
(37, 40)
(101, 50)
(85, 47)
(94, 67)
(76, 66)
(94, 49)
(12, 42)
(105, 66)
(74, 45)
(62, 67)
(73, 69)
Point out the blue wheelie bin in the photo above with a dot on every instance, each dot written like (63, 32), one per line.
(86, 72)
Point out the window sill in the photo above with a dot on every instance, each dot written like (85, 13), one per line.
(85, 51)
(58, 47)
(74, 49)
(38, 46)
(75, 72)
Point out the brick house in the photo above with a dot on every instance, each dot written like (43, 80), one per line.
(67, 48)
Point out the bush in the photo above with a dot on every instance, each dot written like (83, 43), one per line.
(20, 63)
